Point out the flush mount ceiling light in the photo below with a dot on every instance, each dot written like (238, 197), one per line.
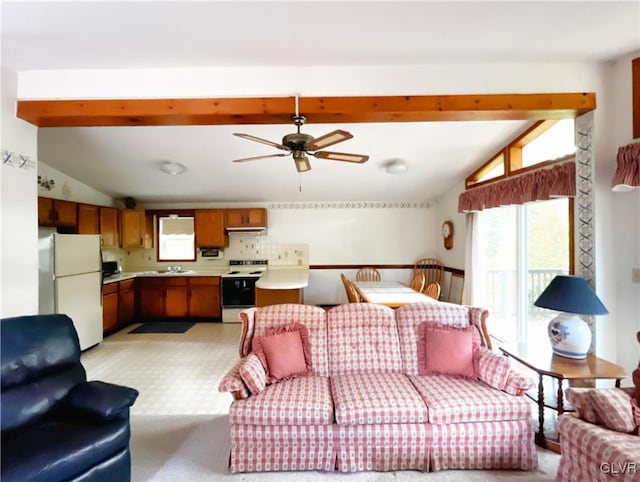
(173, 168)
(396, 166)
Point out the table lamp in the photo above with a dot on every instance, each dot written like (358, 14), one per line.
(570, 336)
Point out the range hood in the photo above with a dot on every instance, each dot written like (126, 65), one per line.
(247, 229)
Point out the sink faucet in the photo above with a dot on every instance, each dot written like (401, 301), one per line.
(174, 269)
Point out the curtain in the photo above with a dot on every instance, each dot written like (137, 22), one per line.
(176, 226)
(627, 174)
(539, 185)
(471, 260)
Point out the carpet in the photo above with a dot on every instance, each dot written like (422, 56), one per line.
(164, 327)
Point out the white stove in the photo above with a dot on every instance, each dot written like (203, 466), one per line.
(238, 287)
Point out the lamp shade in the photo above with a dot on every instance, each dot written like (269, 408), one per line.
(571, 294)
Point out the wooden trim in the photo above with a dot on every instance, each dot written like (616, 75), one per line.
(514, 149)
(540, 165)
(498, 158)
(317, 110)
(635, 87)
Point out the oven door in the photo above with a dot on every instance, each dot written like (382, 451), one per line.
(238, 292)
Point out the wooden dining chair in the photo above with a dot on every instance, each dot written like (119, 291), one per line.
(350, 290)
(432, 268)
(432, 290)
(418, 283)
(368, 274)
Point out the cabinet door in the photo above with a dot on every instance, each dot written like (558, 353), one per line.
(151, 300)
(126, 306)
(204, 297)
(234, 218)
(109, 227)
(209, 224)
(88, 219)
(109, 312)
(256, 217)
(67, 213)
(176, 302)
(46, 216)
(133, 228)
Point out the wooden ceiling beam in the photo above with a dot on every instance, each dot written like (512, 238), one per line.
(317, 110)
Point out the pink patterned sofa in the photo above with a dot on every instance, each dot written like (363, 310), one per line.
(365, 406)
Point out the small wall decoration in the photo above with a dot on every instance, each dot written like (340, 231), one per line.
(447, 234)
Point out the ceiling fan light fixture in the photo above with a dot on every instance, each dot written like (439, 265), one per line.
(302, 161)
(397, 166)
(172, 168)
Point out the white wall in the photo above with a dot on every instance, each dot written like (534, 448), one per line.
(447, 210)
(18, 211)
(70, 189)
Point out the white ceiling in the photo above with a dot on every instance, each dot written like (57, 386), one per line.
(123, 160)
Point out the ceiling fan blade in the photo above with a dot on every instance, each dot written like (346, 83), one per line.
(328, 140)
(342, 156)
(259, 157)
(262, 141)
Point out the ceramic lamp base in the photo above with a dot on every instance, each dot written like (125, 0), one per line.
(570, 336)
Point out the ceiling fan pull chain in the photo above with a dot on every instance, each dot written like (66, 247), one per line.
(299, 182)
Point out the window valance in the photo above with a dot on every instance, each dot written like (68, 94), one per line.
(627, 174)
(538, 185)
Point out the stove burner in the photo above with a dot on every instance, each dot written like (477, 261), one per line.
(233, 272)
(255, 272)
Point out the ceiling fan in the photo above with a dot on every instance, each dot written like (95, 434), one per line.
(302, 145)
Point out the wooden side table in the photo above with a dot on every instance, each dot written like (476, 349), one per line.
(545, 363)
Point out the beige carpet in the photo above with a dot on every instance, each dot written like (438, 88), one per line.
(180, 429)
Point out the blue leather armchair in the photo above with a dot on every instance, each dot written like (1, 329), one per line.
(56, 426)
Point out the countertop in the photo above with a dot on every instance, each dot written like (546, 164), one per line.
(284, 278)
(156, 274)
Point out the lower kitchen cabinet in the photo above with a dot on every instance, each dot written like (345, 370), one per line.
(179, 297)
(126, 302)
(109, 307)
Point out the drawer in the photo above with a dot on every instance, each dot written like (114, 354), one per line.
(204, 280)
(181, 281)
(151, 282)
(126, 284)
(110, 288)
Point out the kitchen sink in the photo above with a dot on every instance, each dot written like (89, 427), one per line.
(174, 271)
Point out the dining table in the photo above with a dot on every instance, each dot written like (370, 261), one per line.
(390, 293)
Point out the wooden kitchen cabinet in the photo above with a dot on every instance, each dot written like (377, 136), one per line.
(204, 297)
(246, 218)
(137, 229)
(88, 219)
(209, 227)
(109, 307)
(57, 213)
(176, 297)
(126, 302)
(110, 227)
(151, 298)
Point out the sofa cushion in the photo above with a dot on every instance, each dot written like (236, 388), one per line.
(363, 338)
(447, 350)
(312, 317)
(367, 399)
(284, 352)
(581, 401)
(409, 318)
(457, 400)
(493, 369)
(253, 374)
(613, 406)
(61, 449)
(299, 401)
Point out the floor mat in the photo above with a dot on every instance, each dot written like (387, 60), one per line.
(164, 327)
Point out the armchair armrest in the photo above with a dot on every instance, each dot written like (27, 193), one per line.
(101, 399)
(232, 382)
(495, 370)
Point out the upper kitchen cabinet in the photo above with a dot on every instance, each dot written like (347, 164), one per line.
(137, 229)
(246, 218)
(110, 227)
(56, 212)
(209, 228)
(88, 219)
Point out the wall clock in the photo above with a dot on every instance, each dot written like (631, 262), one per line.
(447, 234)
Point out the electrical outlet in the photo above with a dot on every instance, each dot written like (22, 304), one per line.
(635, 275)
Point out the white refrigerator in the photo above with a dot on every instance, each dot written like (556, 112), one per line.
(70, 281)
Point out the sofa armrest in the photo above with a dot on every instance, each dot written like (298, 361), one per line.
(518, 383)
(101, 399)
(232, 382)
(495, 370)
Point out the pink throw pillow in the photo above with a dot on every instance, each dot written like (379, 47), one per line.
(613, 406)
(284, 352)
(449, 352)
(582, 404)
